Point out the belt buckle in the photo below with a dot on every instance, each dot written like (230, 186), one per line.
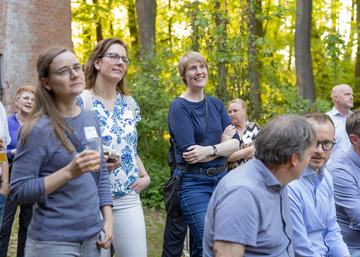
(210, 173)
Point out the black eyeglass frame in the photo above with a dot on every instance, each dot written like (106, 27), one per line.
(324, 142)
(126, 61)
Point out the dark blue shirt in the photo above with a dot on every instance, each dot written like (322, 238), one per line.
(187, 125)
(14, 127)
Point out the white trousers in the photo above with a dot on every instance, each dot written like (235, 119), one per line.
(129, 227)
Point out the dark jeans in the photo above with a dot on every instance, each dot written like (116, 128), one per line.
(196, 190)
(174, 236)
(5, 232)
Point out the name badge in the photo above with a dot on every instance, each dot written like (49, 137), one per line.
(128, 115)
(90, 132)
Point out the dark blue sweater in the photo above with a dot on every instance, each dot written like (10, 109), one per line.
(186, 122)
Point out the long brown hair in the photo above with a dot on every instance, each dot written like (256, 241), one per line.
(99, 50)
(45, 101)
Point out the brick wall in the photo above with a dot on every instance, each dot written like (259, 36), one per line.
(27, 27)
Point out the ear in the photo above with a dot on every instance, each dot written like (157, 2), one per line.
(46, 84)
(293, 160)
(97, 64)
(17, 102)
(354, 139)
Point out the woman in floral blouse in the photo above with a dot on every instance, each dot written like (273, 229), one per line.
(118, 114)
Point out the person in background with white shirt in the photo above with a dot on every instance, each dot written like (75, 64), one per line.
(4, 168)
(342, 96)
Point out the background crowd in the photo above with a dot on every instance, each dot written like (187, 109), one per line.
(234, 195)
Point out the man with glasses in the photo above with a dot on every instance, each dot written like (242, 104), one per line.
(249, 214)
(311, 198)
(345, 171)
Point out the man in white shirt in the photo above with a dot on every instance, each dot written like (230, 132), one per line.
(4, 168)
(342, 96)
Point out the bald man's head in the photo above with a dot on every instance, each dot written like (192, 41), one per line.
(342, 96)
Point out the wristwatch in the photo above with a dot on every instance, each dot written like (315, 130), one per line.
(5, 181)
(215, 150)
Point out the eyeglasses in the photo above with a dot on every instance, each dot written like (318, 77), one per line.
(115, 58)
(326, 145)
(68, 72)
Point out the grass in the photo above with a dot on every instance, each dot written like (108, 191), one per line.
(155, 225)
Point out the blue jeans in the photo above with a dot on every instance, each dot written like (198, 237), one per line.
(196, 190)
(354, 252)
(2, 206)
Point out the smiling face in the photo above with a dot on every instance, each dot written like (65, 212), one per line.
(196, 75)
(25, 102)
(236, 112)
(325, 132)
(108, 69)
(68, 86)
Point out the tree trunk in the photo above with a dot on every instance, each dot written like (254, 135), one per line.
(255, 29)
(134, 34)
(195, 32)
(357, 65)
(99, 35)
(146, 15)
(303, 61)
(347, 54)
(220, 22)
(170, 27)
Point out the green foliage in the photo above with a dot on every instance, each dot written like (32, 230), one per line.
(159, 173)
(220, 31)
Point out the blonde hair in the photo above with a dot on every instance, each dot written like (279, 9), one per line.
(187, 58)
(242, 104)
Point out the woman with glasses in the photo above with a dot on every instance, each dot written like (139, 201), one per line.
(204, 164)
(68, 185)
(247, 132)
(118, 115)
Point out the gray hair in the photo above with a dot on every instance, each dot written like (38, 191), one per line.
(282, 136)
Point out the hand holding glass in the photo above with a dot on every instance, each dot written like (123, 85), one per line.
(94, 144)
(3, 147)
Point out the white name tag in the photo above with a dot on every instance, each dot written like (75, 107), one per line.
(90, 132)
(128, 115)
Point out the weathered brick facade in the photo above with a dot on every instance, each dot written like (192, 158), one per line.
(27, 27)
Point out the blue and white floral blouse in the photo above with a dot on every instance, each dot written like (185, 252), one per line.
(118, 131)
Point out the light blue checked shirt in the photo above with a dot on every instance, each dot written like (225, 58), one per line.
(342, 140)
(316, 232)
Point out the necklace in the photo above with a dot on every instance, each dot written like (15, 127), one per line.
(72, 127)
(103, 96)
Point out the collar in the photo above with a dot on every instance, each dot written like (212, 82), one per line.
(310, 172)
(335, 112)
(354, 156)
(266, 175)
